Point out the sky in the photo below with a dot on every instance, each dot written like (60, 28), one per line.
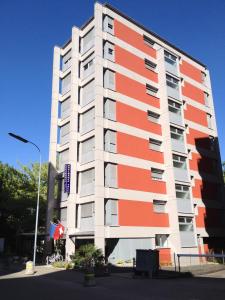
(29, 29)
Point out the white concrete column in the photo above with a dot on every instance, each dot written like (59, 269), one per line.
(71, 202)
(174, 239)
(99, 132)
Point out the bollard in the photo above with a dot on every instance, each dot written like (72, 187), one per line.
(29, 268)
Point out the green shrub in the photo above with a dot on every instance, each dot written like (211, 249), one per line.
(87, 257)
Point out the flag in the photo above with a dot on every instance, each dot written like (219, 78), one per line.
(56, 231)
(52, 229)
(59, 231)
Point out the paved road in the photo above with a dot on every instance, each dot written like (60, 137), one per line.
(51, 284)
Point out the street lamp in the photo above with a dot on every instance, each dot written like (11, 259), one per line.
(38, 195)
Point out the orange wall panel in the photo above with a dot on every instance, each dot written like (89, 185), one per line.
(132, 37)
(164, 256)
(139, 213)
(198, 138)
(209, 217)
(193, 92)
(205, 190)
(133, 63)
(139, 179)
(195, 115)
(134, 89)
(131, 116)
(202, 163)
(137, 147)
(190, 71)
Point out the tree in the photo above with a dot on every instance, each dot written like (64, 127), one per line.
(18, 199)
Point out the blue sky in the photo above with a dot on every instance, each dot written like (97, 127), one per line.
(30, 29)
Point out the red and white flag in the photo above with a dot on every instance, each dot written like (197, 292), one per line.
(59, 231)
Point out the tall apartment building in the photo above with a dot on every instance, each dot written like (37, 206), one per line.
(133, 117)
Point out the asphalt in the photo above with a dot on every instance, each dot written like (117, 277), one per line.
(49, 283)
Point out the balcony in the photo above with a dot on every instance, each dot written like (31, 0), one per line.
(187, 239)
(171, 67)
(178, 145)
(184, 206)
(181, 174)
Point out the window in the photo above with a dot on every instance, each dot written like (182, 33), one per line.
(87, 42)
(109, 52)
(185, 223)
(87, 210)
(110, 175)
(65, 108)
(63, 158)
(179, 161)
(206, 98)
(110, 141)
(153, 117)
(109, 80)
(176, 133)
(150, 65)
(151, 90)
(155, 145)
(172, 82)
(209, 121)
(63, 215)
(65, 84)
(182, 191)
(87, 67)
(148, 41)
(87, 182)
(157, 174)
(88, 121)
(171, 59)
(161, 240)
(88, 93)
(111, 212)
(87, 150)
(108, 24)
(66, 61)
(110, 109)
(203, 75)
(64, 133)
(174, 107)
(159, 206)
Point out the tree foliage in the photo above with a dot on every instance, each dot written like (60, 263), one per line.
(18, 198)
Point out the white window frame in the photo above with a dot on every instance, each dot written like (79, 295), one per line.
(150, 65)
(174, 107)
(209, 120)
(148, 41)
(107, 47)
(176, 133)
(108, 24)
(66, 61)
(161, 241)
(155, 144)
(157, 174)
(110, 137)
(183, 190)
(186, 223)
(172, 82)
(170, 58)
(151, 90)
(107, 80)
(159, 206)
(110, 109)
(153, 117)
(179, 161)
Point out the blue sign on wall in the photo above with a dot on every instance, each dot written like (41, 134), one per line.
(67, 175)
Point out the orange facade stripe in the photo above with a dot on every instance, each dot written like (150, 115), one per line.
(137, 118)
(195, 115)
(137, 147)
(198, 139)
(133, 63)
(165, 256)
(135, 90)
(205, 190)
(139, 213)
(193, 92)
(202, 163)
(191, 71)
(132, 37)
(138, 179)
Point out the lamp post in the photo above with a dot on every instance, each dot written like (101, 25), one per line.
(38, 194)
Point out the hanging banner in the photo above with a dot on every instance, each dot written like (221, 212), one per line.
(67, 175)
